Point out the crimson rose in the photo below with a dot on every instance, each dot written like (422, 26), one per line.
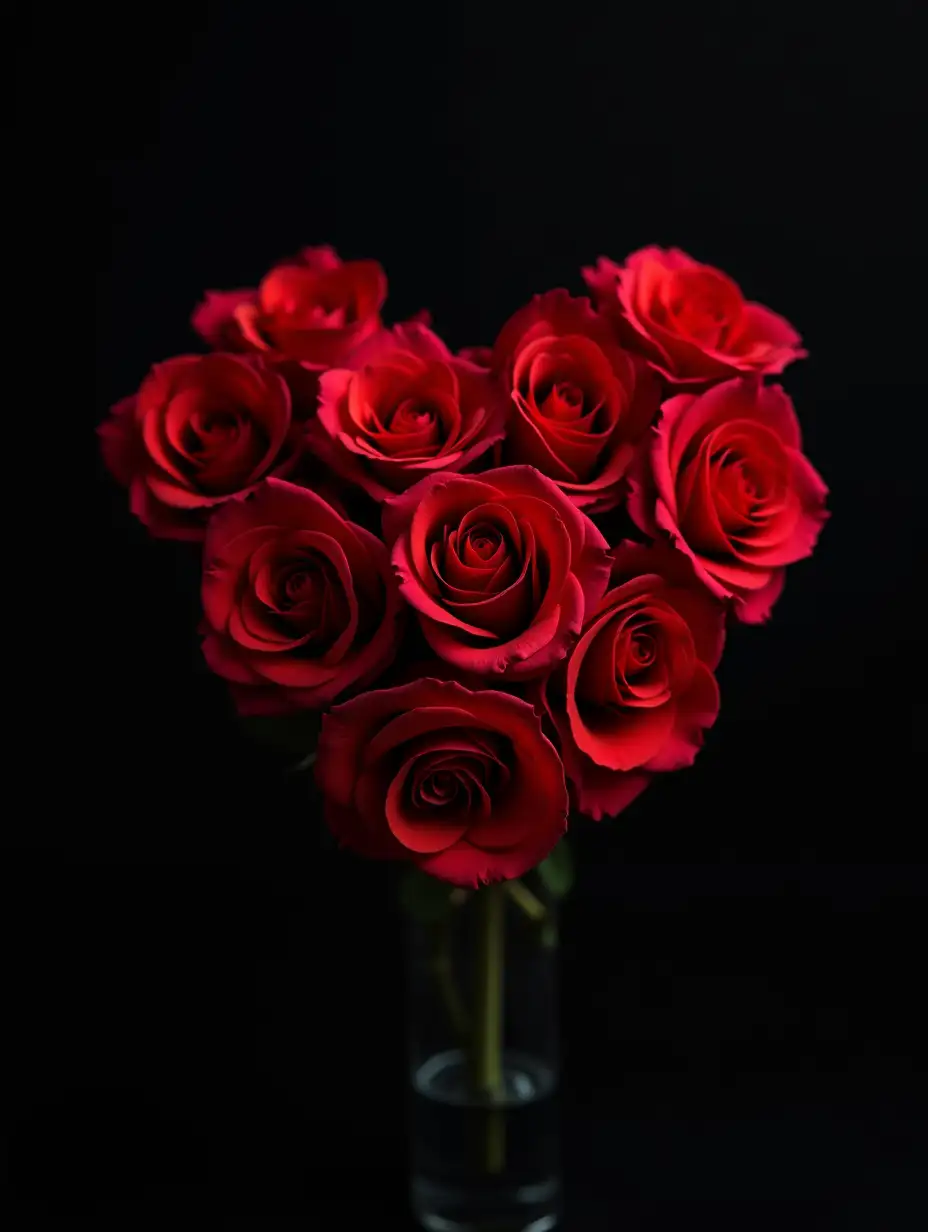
(581, 403)
(461, 782)
(313, 308)
(403, 408)
(637, 690)
(299, 603)
(690, 320)
(725, 478)
(501, 568)
(200, 429)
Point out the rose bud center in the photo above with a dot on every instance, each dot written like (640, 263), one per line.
(411, 416)
(482, 542)
(326, 318)
(702, 305)
(642, 650)
(564, 402)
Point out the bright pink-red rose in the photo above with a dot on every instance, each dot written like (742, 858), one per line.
(724, 477)
(404, 408)
(299, 603)
(201, 428)
(690, 320)
(581, 403)
(460, 782)
(501, 567)
(314, 308)
(637, 691)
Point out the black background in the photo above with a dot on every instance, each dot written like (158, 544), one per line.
(205, 998)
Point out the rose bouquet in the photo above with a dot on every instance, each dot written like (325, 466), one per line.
(501, 575)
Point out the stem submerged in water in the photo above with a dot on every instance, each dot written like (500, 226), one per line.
(487, 1046)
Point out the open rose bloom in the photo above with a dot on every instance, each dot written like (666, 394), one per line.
(500, 574)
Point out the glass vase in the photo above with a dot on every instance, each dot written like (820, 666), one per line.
(483, 1056)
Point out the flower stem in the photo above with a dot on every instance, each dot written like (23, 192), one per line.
(443, 971)
(527, 902)
(487, 1049)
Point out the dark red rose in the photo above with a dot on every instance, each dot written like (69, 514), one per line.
(201, 428)
(581, 403)
(299, 603)
(501, 568)
(690, 320)
(461, 783)
(637, 691)
(314, 308)
(724, 477)
(404, 408)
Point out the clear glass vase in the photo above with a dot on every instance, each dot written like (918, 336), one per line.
(483, 1053)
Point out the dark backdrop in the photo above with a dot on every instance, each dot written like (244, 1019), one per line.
(205, 998)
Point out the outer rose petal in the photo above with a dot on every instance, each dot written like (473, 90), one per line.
(221, 658)
(350, 768)
(161, 520)
(215, 321)
(596, 791)
(600, 793)
(697, 710)
(469, 866)
(553, 312)
(320, 257)
(754, 607)
(481, 356)
(411, 336)
(120, 444)
(533, 653)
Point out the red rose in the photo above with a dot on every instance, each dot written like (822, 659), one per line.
(403, 409)
(581, 404)
(501, 568)
(200, 429)
(299, 603)
(460, 782)
(314, 308)
(638, 689)
(724, 477)
(690, 320)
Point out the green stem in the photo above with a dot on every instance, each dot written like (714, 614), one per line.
(487, 1049)
(528, 903)
(444, 974)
